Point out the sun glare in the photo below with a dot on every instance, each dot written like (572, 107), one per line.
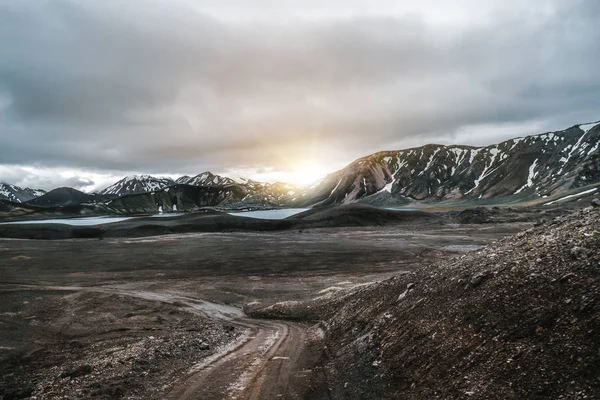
(306, 175)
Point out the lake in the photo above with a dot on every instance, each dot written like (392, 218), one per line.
(270, 214)
(101, 220)
(80, 221)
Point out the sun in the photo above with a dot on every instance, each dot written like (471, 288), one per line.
(308, 174)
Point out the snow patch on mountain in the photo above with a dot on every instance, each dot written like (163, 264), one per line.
(572, 196)
(588, 127)
(530, 177)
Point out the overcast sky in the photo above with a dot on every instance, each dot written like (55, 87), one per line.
(92, 90)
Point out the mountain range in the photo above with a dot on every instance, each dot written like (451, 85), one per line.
(517, 170)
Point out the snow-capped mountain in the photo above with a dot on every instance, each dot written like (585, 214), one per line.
(137, 184)
(205, 179)
(527, 167)
(17, 194)
(274, 194)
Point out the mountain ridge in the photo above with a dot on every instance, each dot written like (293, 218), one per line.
(534, 165)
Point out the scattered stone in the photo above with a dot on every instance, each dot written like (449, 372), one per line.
(541, 222)
(565, 277)
(596, 202)
(478, 279)
(204, 346)
(74, 372)
(576, 252)
(409, 287)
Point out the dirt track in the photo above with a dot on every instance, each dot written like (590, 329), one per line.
(259, 365)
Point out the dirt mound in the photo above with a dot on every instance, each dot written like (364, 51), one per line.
(499, 215)
(360, 215)
(479, 215)
(517, 320)
(520, 319)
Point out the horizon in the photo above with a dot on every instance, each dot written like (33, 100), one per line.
(278, 92)
(301, 181)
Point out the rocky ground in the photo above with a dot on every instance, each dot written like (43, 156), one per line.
(519, 319)
(81, 345)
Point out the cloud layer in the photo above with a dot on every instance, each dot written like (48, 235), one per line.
(181, 87)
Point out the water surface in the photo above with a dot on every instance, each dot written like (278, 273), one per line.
(270, 214)
(79, 221)
(100, 220)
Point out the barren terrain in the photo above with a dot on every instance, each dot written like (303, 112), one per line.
(162, 317)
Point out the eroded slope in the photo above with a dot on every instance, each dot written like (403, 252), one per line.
(517, 320)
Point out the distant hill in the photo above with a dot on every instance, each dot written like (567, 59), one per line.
(65, 196)
(185, 197)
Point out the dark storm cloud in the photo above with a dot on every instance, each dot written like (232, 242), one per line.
(162, 87)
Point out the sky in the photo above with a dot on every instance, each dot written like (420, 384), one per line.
(92, 90)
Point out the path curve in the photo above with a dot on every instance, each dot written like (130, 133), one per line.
(259, 365)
